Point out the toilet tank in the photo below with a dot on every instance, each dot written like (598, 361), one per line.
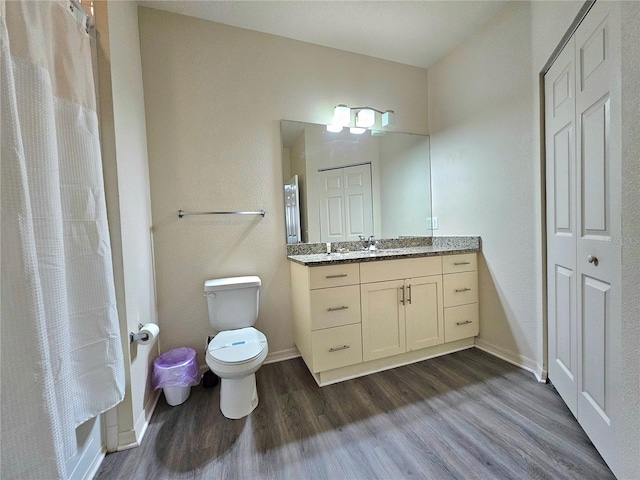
(233, 302)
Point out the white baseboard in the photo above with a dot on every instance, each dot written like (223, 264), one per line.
(95, 464)
(514, 359)
(145, 416)
(133, 438)
(282, 355)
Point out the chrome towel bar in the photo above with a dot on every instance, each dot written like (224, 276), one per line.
(182, 213)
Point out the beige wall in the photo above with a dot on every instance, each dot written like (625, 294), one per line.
(123, 136)
(631, 239)
(485, 154)
(405, 200)
(214, 97)
(484, 117)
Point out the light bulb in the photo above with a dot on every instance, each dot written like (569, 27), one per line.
(365, 118)
(341, 115)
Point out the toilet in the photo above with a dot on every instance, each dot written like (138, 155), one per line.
(238, 350)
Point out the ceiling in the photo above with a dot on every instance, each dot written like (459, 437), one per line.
(414, 33)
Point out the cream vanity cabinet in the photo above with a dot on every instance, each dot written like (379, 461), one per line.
(401, 306)
(351, 319)
(326, 306)
(460, 278)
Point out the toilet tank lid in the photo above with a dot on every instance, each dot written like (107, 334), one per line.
(218, 284)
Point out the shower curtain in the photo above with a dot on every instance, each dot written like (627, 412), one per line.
(61, 351)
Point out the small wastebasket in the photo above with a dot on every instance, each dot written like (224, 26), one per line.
(176, 371)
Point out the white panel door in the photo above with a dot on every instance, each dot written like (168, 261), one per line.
(598, 266)
(346, 206)
(561, 226)
(331, 192)
(584, 226)
(358, 201)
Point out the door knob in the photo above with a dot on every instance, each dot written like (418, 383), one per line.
(593, 259)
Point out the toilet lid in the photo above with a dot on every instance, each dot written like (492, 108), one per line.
(237, 346)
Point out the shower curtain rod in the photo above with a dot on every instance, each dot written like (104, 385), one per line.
(75, 4)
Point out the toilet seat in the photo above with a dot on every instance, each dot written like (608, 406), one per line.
(236, 347)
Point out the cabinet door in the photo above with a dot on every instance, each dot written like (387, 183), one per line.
(383, 326)
(424, 312)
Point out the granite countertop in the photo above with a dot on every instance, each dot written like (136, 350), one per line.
(439, 246)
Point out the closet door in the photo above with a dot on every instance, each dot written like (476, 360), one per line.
(583, 115)
(561, 226)
(598, 150)
(346, 203)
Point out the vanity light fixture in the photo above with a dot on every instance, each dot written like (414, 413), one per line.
(365, 118)
(388, 118)
(341, 115)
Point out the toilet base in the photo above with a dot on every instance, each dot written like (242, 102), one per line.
(238, 396)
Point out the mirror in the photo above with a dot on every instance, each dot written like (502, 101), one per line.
(339, 186)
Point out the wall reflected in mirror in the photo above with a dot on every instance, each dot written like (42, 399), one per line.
(339, 186)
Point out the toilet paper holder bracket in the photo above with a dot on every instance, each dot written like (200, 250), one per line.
(134, 337)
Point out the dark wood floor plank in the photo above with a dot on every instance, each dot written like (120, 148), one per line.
(467, 415)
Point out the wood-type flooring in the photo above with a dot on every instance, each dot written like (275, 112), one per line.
(467, 415)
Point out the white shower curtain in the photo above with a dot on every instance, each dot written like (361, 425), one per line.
(61, 351)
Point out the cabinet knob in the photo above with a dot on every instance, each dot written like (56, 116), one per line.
(593, 259)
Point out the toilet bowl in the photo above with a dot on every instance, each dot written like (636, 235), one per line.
(238, 350)
(235, 356)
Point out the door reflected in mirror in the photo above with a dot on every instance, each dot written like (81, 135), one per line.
(339, 186)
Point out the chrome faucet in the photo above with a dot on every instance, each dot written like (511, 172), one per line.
(370, 244)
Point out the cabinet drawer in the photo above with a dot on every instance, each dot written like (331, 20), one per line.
(460, 288)
(332, 307)
(336, 347)
(466, 262)
(461, 322)
(384, 270)
(334, 275)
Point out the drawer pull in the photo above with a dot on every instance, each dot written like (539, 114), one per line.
(409, 299)
(462, 263)
(464, 323)
(459, 290)
(337, 349)
(337, 276)
(402, 299)
(335, 309)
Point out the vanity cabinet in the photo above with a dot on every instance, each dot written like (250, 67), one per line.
(326, 305)
(401, 314)
(351, 319)
(461, 312)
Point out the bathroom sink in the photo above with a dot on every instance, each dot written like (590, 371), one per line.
(387, 251)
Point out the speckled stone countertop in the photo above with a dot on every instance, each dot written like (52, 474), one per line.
(387, 250)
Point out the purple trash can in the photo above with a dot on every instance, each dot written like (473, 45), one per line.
(176, 371)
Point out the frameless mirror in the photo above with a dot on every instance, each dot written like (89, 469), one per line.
(339, 186)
